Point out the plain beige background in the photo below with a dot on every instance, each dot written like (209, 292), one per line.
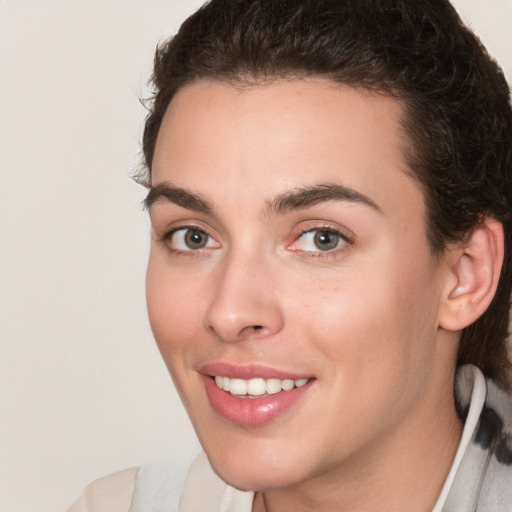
(82, 389)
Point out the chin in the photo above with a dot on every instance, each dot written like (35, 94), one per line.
(255, 472)
(253, 479)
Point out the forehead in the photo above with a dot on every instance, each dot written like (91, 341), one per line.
(262, 140)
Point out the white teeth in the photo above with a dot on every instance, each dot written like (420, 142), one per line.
(238, 386)
(288, 384)
(273, 386)
(257, 386)
(299, 383)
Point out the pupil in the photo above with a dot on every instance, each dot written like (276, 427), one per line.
(195, 239)
(326, 240)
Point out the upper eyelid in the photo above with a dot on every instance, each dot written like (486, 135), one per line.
(320, 225)
(326, 229)
(341, 235)
(169, 232)
(171, 227)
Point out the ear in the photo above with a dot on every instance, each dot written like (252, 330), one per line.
(474, 271)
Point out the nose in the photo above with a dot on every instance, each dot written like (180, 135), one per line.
(244, 301)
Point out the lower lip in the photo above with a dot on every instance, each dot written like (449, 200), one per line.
(252, 412)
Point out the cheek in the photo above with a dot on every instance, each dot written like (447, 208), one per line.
(349, 331)
(374, 322)
(174, 308)
(175, 312)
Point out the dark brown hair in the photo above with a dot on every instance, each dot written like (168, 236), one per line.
(458, 119)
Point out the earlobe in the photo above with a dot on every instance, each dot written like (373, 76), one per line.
(474, 272)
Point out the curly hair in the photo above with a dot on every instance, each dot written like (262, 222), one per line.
(457, 121)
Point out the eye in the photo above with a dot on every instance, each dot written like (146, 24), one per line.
(317, 240)
(190, 239)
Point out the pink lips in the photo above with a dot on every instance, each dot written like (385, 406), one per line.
(250, 412)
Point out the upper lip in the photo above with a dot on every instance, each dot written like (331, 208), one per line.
(249, 371)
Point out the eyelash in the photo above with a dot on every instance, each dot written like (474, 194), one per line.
(167, 238)
(344, 239)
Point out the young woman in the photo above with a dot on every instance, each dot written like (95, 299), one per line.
(330, 191)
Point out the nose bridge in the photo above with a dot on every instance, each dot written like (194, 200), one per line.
(244, 302)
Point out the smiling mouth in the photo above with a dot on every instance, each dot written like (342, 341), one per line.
(257, 387)
(256, 400)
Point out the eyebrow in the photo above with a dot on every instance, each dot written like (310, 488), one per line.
(305, 197)
(295, 199)
(178, 196)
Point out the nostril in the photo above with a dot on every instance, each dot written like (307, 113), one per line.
(253, 329)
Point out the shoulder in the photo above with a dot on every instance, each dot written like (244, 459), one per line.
(164, 487)
(113, 493)
(152, 487)
(481, 476)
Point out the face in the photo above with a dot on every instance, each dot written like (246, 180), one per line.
(290, 287)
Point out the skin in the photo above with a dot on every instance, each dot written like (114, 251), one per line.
(377, 430)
